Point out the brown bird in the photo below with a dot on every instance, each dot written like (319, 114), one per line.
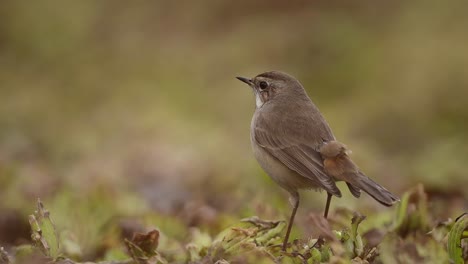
(289, 138)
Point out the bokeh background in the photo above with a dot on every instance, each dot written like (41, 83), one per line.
(116, 110)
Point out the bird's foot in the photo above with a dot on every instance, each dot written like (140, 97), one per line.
(319, 243)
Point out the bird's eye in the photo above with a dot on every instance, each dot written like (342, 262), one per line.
(263, 85)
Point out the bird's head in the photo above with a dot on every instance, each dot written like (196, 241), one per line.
(273, 84)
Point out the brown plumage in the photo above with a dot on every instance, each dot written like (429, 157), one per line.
(289, 135)
(338, 165)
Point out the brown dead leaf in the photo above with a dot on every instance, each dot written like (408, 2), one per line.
(147, 242)
(249, 232)
(321, 227)
(373, 237)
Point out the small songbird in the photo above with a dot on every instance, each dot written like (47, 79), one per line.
(295, 146)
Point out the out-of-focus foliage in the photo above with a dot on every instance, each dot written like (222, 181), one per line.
(125, 116)
(258, 241)
(457, 234)
(43, 232)
(4, 258)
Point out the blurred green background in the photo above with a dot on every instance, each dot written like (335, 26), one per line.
(124, 109)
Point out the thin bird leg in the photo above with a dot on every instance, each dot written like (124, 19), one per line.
(294, 199)
(327, 206)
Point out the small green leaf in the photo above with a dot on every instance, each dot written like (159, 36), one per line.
(455, 237)
(271, 233)
(316, 256)
(326, 253)
(355, 236)
(43, 231)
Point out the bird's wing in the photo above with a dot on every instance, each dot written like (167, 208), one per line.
(297, 151)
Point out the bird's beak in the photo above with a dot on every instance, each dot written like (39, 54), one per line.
(246, 80)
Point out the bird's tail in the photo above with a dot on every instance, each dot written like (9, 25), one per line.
(375, 190)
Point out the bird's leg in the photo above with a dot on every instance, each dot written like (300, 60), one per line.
(294, 199)
(327, 206)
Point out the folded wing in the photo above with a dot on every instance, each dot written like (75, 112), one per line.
(297, 153)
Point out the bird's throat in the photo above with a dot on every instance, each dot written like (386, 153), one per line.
(258, 100)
